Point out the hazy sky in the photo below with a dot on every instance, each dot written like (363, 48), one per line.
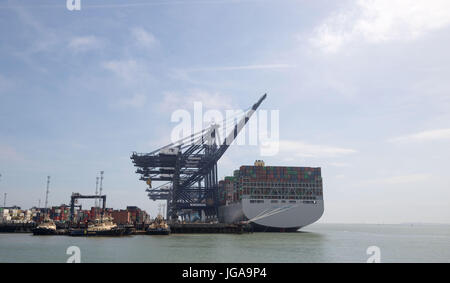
(362, 87)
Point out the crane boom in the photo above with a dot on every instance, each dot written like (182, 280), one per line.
(190, 166)
(227, 142)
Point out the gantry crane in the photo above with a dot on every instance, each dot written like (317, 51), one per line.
(190, 168)
(75, 196)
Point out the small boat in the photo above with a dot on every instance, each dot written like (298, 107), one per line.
(129, 229)
(77, 232)
(99, 227)
(158, 227)
(46, 227)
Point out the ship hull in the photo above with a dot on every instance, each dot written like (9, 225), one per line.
(261, 228)
(43, 231)
(77, 232)
(158, 232)
(84, 232)
(267, 216)
(112, 232)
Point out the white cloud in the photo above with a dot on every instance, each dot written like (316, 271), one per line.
(5, 84)
(339, 164)
(84, 43)
(244, 67)
(120, 67)
(430, 135)
(143, 37)
(209, 100)
(302, 149)
(376, 21)
(401, 179)
(134, 79)
(9, 154)
(136, 101)
(128, 70)
(186, 74)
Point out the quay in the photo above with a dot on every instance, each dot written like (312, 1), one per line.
(190, 228)
(175, 228)
(17, 227)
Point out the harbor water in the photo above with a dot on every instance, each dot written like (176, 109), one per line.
(315, 243)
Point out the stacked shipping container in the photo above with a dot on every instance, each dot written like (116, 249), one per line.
(271, 182)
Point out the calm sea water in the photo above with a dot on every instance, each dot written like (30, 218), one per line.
(316, 243)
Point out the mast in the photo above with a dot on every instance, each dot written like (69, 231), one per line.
(96, 200)
(101, 189)
(46, 195)
(4, 199)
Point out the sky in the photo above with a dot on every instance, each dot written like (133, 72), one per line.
(361, 87)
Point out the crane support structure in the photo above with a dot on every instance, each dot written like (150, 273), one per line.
(189, 166)
(75, 196)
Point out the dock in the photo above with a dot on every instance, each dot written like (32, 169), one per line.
(175, 228)
(191, 228)
(17, 227)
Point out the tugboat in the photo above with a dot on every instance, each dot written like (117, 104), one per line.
(158, 227)
(104, 227)
(99, 227)
(46, 227)
(129, 229)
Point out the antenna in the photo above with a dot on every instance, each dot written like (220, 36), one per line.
(96, 193)
(101, 181)
(46, 193)
(101, 189)
(4, 200)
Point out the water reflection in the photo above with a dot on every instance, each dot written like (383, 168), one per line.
(315, 243)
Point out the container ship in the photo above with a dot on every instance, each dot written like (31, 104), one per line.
(272, 198)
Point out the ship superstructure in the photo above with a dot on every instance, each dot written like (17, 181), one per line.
(46, 227)
(158, 227)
